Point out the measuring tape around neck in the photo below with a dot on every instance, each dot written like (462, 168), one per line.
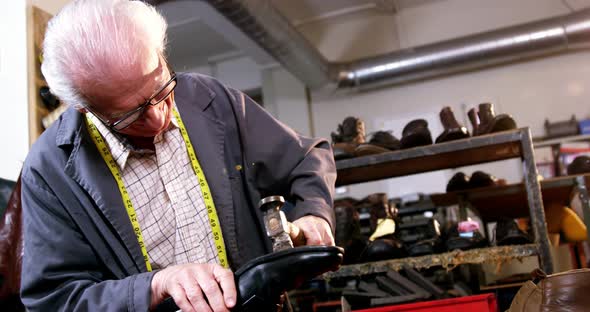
(207, 196)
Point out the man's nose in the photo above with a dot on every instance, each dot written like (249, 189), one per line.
(152, 112)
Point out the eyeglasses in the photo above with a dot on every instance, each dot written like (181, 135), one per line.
(124, 120)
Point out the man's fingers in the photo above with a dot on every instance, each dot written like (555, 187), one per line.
(297, 235)
(317, 230)
(195, 296)
(228, 286)
(177, 293)
(210, 287)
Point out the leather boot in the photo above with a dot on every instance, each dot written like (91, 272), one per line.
(416, 133)
(489, 122)
(350, 133)
(452, 129)
(261, 281)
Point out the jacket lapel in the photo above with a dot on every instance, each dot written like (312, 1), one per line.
(207, 134)
(88, 169)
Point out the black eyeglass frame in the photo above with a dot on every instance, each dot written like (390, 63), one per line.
(138, 111)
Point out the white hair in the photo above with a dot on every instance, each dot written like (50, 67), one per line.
(92, 42)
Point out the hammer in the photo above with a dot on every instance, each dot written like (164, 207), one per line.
(277, 226)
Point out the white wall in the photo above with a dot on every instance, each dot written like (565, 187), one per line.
(285, 97)
(14, 135)
(241, 72)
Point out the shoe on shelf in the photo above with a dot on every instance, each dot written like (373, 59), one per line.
(425, 247)
(452, 129)
(380, 142)
(459, 182)
(486, 121)
(416, 133)
(384, 249)
(350, 133)
(463, 241)
(478, 179)
(508, 233)
(481, 179)
(579, 165)
(348, 230)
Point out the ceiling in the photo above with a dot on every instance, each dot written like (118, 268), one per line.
(344, 30)
(193, 42)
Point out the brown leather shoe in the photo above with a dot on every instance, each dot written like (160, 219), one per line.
(453, 130)
(350, 133)
(565, 291)
(489, 122)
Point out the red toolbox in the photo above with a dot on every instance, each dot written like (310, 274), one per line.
(478, 303)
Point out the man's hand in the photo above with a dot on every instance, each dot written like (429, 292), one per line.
(195, 287)
(316, 230)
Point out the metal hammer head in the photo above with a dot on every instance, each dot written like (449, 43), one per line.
(271, 203)
(277, 227)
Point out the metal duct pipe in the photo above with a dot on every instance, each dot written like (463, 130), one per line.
(554, 35)
(261, 22)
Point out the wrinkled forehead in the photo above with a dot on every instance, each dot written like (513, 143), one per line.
(139, 83)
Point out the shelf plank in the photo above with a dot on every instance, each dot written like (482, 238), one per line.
(471, 151)
(447, 260)
(510, 201)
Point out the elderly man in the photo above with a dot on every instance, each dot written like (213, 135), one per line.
(146, 187)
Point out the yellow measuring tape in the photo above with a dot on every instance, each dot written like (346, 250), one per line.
(211, 211)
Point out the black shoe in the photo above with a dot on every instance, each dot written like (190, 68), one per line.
(416, 133)
(383, 249)
(453, 240)
(459, 182)
(261, 281)
(425, 247)
(481, 179)
(581, 164)
(508, 233)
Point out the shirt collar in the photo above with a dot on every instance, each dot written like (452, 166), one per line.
(119, 145)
